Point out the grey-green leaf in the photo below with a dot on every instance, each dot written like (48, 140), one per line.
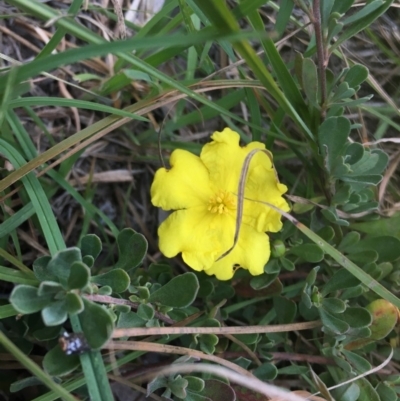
(79, 276)
(310, 81)
(146, 312)
(91, 245)
(56, 363)
(132, 249)
(309, 252)
(55, 313)
(117, 279)
(61, 262)
(73, 303)
(25, 299)
(333, 323)
(97, 324)
(332, 139)
(41, 271)
(180, 292)
(356, 75)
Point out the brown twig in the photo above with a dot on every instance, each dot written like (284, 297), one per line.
(278, 328)
(106, 299)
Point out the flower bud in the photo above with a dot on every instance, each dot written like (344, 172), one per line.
(278, 249)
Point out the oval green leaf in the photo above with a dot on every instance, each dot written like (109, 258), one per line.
(180, 292)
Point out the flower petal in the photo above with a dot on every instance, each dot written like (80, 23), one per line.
(183, 186)
(251, 252)
(224, 158)
(201, 236)
(262, 185)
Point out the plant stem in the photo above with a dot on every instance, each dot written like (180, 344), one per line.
(321, 53)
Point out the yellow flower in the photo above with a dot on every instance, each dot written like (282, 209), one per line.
(202, 191)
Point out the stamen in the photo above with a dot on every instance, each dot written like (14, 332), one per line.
(222, 202)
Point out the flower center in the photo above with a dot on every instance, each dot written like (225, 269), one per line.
(222, 202)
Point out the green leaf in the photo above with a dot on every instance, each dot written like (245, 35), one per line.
(129, 320)
(105, 290)
(218, 390)
(287, 264)
(180, 292)
(55, 313)
(333, 305)
(361, 23)
(364, 11)
(82, 104)
(367, 392)
(16, 276)
(24, 383)
(195, 383)
(7, 311)
(339, 281)
(97, 324)
(267, 371)
(41, 271)
(347, 393)
(155, 384)
(365, 257)
(355, 153)
(342, 6)
(146, 312)
(384, 318)
(293, 370)
(50, 288)
(283, 16)
(349, 240)
(383, 226)
(385, 392)
(88, 260)
(332, 323)
(387, 247)
(221, 16)
(73, 303)
(91, 245)
(366, 279)
(135, 75)
(285, 309)
(60, 264)
(332, 139)
(132, 249)
(356, 75)
(208, 343)
(47, 333)
(25, 299)
(358, 362)
(79, 276)
(309, 252)
(312, 275)
(356, 317)
(178, 386)
(248, 339)
(327, 233)
(262, 281)
(310, 81)
(57, 363)
(117, 279)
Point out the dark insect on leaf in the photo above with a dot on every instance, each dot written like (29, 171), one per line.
(73, 343)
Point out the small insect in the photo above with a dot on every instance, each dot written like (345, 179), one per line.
(73, 343)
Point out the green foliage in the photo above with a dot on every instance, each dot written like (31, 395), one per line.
(181, 291)
(132, 249)
(339, 264)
